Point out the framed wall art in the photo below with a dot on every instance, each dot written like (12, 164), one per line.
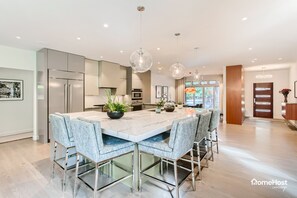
(165, 91)
(11, 89)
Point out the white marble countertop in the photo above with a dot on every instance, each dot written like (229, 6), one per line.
(136, 126)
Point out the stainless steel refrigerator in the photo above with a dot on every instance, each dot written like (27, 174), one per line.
(65, 93)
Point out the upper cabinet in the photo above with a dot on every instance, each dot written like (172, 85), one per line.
(57, 60)
(91, 78)
(64, 61)
(109, 74)
(76, 63)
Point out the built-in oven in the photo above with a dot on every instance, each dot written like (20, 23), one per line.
(136, 94)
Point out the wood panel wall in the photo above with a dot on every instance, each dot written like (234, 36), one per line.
(234, 91)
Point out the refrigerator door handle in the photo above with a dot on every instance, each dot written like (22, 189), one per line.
(70, 99)
(65, 98)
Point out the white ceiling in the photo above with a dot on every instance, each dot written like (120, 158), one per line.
(215, 26)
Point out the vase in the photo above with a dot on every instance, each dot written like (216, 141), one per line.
(286, 98)
(180, 106)
(115, 114)
(158, 110)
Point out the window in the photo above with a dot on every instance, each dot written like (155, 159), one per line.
(207, 93)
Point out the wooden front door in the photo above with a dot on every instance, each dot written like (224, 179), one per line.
(263, 100)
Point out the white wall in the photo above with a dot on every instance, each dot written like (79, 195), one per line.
(17, 117)
(163, 80)
(280, 80)
(293, 78)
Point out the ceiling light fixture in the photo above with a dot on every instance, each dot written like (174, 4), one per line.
(101, 57)
(263, 76)
(158, 49)
(141, 60)
(244, 18)
(78, 38)
(280, 59)
(105, 25)
(121, 51)
(18, 37)
(177, 69)
(250, 49)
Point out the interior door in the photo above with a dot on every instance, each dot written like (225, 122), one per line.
(75, 96)
(263, 100)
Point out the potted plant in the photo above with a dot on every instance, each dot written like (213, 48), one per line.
(115, 109)
(180, 105)
(159, 106)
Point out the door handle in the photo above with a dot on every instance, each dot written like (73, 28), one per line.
(70, 99)
(65, 98)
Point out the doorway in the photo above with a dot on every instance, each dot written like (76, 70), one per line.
(263, 100)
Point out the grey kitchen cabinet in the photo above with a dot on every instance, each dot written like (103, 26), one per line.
(76, 63)
(57, 60)
(109, 74)
(122, 87)
(91, 78)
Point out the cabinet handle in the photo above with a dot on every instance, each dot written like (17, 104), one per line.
(70, 99)
(65, 98)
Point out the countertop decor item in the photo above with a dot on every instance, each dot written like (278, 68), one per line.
(115, 109)
(159, 104)
(285, 92)
(169, 106)
(180, 105)
(190, 90)
(141, 60)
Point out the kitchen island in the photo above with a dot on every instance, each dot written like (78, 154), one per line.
(136, 126)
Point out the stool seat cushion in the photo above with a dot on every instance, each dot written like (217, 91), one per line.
(112, 144)
(159, 142)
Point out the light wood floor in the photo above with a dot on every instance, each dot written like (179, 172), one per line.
(259, 149)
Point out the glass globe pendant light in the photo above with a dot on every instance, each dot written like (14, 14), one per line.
(141, 60)
(177, 69)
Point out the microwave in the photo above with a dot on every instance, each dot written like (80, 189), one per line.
(136, 94)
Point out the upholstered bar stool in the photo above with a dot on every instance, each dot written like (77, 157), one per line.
(213, 127)
(172, 148)
(98, 148)
(202, 135)
(62, 135)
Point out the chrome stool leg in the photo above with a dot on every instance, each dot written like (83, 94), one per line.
(55, 154)
(217, 140)
(192, 168)
(96, 180)
(139, 172)
(76, 174)
(65, 168)
(176, 180)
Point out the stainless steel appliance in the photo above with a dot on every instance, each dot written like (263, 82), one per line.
(136, 97)
(136, 94)
(65, 92)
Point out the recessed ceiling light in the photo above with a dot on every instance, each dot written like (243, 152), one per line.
(159, 63)
(250, 49)
(160, 68)
(244, 18)
(203, 67)
(18, 37)
(280, 59)
(253, 61)
(78, 38)
(101, 57)
(158, 48)
(105, 25)
(121, 51)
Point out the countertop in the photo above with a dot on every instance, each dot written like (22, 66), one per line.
(136, 126)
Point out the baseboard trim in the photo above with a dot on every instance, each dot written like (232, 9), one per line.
(15, 136)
